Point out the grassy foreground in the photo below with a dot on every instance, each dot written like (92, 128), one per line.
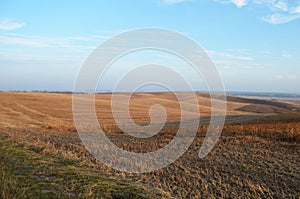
(27, 174)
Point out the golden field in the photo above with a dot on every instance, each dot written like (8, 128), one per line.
(257, 155)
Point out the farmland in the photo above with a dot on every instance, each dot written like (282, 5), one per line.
(256, 156)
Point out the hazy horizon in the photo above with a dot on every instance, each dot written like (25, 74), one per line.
(158, 91)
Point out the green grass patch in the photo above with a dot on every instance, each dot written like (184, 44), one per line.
(25, 173)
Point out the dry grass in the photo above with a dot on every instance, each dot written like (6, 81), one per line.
(251, 160)
(28, 173)
(33, 108)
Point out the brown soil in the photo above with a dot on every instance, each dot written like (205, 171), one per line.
(257, 159)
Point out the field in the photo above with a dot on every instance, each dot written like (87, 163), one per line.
(257, 155)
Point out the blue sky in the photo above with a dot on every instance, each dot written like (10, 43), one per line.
(254, 43)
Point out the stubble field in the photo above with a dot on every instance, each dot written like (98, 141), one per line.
(257, 155)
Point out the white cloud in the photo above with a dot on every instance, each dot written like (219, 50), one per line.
(239, 3)
(280, 18)
(276, 11)
(281, 12)
(7, 24)
(280, 5)
(296, 10)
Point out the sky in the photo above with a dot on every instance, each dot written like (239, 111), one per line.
(254, 44)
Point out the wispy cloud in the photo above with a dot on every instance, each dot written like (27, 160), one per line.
(280, 18)
(86, 42)
(238, 60)
(42, 48)
(296, 10)
(280, 5)
(21, 41)
(228, 55)
(7, 24)
(30, 58)
(237, 3)
(276, 11)
(280, 12)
